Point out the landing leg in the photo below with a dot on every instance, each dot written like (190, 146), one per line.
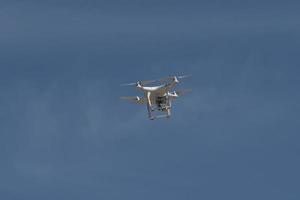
(168, 113)
(169, 108)
(149, 112)
(149, 99)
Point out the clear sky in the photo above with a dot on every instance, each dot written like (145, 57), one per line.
(64, 133)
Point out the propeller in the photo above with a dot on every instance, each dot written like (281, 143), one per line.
(174, 77)
(128, 84)
(135, 99)
(184, 76)
(182, 91)
(152, 81)
(131, 98)
(139, 83)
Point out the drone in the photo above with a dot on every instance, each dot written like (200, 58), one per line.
(158, 98)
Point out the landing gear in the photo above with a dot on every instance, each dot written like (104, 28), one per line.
(149, 111)
(163, 105)
(168, 113)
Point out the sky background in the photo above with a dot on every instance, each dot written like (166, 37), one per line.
(65, 134)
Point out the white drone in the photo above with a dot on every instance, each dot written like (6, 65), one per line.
(158, 98)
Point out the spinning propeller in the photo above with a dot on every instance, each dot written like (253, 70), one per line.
(179, 92)
(131, 98)
(139, 83)
(182, 91)
(175, 78)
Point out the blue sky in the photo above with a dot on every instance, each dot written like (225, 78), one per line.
(64, 133)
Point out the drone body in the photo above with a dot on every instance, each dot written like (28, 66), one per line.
(158, 98)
